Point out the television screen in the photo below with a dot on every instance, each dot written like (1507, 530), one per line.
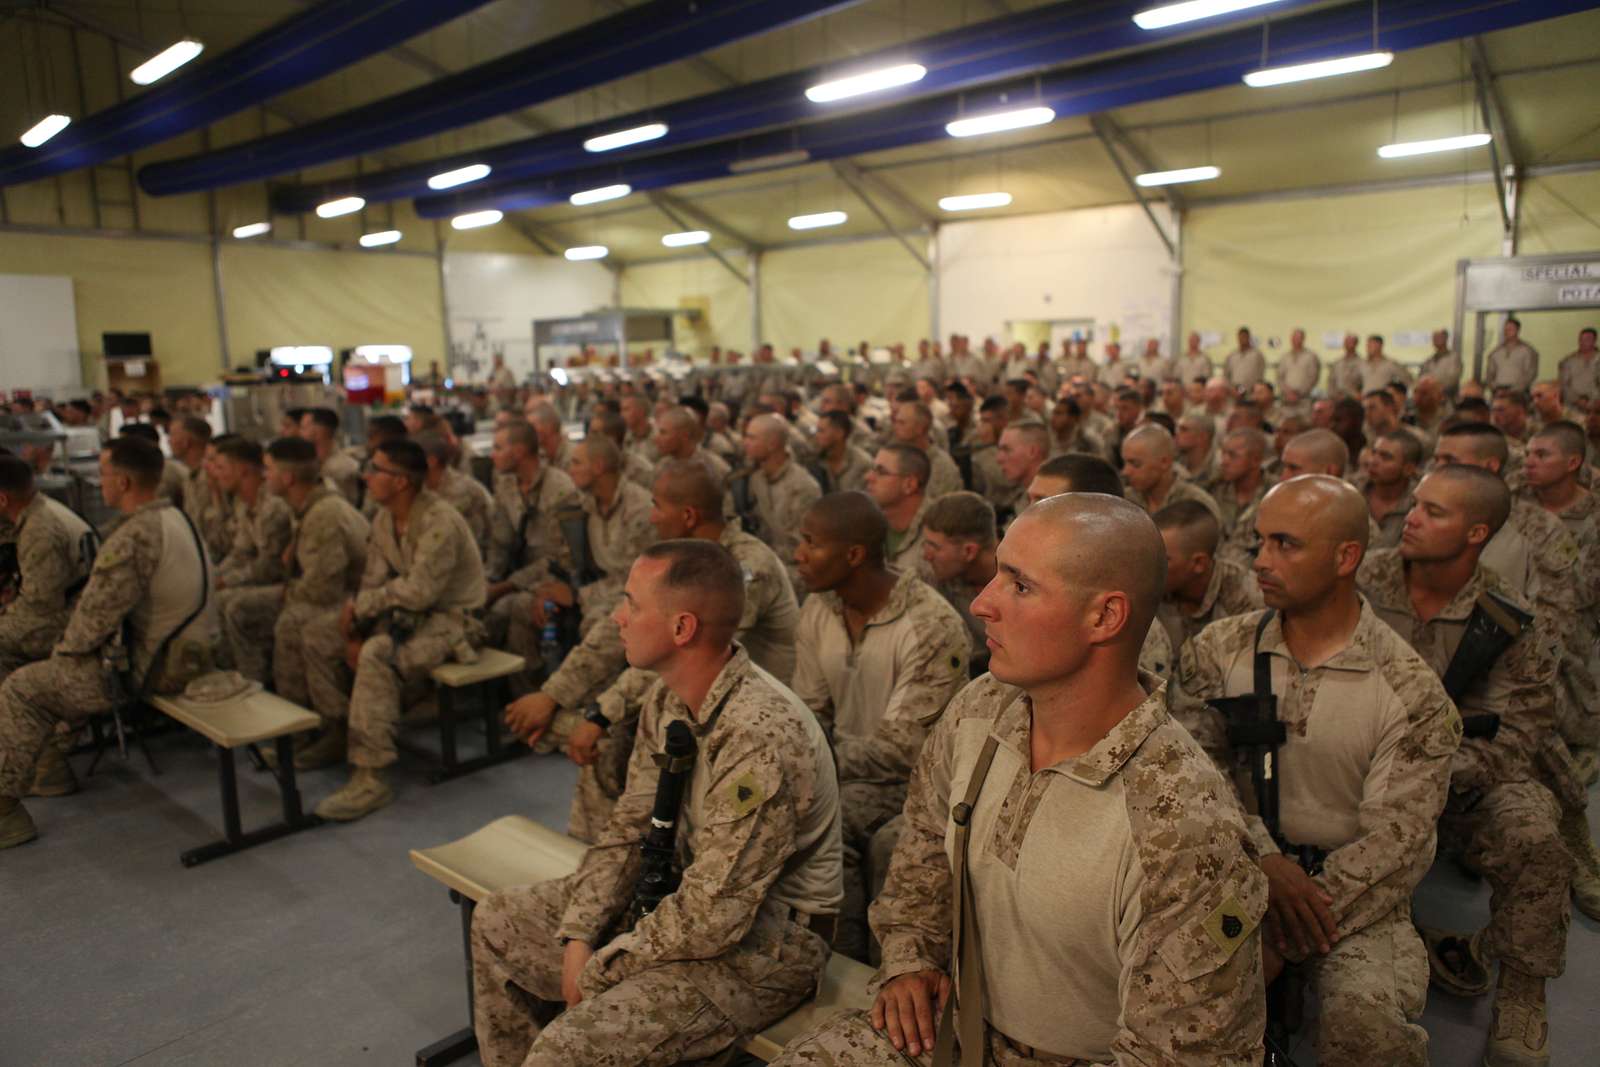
(127, 345)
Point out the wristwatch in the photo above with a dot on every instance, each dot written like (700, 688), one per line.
(595, 715)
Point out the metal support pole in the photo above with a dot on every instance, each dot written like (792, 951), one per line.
(933, 284)
(444, 295)
(1175, 325)
(219, 295)
(754, 256)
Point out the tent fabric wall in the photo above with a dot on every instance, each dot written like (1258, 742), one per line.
(861, 291)
(285, 296)
(1560, 213)
(502, 294)
(700, 283)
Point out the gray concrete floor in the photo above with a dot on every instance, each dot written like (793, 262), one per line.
(328, 947)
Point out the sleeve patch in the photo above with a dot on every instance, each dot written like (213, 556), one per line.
(746, 794)
(1229, 924)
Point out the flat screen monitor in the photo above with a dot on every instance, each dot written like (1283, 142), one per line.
(126, 345)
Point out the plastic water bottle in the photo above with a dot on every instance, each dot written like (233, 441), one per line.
(550, 640)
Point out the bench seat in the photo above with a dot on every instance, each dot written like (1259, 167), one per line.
(514, 850)
(487, 679)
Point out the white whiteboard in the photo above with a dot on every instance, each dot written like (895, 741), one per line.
(38, 333)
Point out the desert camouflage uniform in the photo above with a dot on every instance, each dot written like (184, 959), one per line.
(1232, 590)
(1393, 522)
(1244, 367)
(960, 595)
(767, 634)
(853, 475)
(1379, 373)
(1500, 811)
(725, 955)
(878, 696)
(1182, 489)
(1514, 364)
(1364, 774)
(642, 445)
(252, 574)
(990, 483)
(780, 504)
(525, 535)
(1579, 378)
(1186, 368)
(433, 572)
(1158, 656)
(1445, 368)
(326, 560)
(616, 537)
(637, 469)
(211, 509)
(904, 549)
(1346, 376)
(343, 473)
(1083, 440)
(1077, 367)
(174, 475)
(1298, 370)
(1116, 899)
(468, 496)
(49, 538)
(140, 578)
(1229, 509)
(943, 476)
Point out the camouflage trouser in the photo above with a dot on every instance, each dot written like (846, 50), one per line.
(848, 1040)
(308, 666)
(387, 673)
(1370, 990)
(24, 640)
(664, 1015)
(863, 808)
(36, 697)
(1512, 834)
(249, 622)
(601, 783)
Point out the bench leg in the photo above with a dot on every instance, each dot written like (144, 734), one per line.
(452, 767)
(235, 839)
(462, 1042)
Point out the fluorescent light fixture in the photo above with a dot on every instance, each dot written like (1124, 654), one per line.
(1159, 18)
(1443, 144)
(687, 237)
(607, 142)
(596, 196)
(252, 229)
(473, 219)
(974, 201)
(871, 81)
(1326, 68)
(383, 353)
(817, 221)
(165, 62)
(997, 121)
(382, 237)
(559, 375)
(301, 355)
(460, 176)
(769, 162)
(45, 129)
(1177, 177)
(345, 205)
(587, 252)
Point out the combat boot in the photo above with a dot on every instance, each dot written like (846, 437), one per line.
(1585, 863)
(1519, 1036)
(52, 775)
(16, 825)
(362, 795)
(325, 751)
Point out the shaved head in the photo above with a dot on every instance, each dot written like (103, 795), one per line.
(1316, 452)
(1481, 494)
(770, 427)
(679, 420)
(1329, 504)
(851, 518)
(690, 483)
(1154, 441)
(1313, 532)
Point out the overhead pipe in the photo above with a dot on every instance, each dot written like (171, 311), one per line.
(633, 40)
(1194, 66)
(300, 49)
(1023, 43)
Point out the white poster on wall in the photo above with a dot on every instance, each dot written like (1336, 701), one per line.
(38, 333)
(494, 297)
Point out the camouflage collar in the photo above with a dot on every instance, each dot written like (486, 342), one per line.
(1356, 656)
(318, 493)
(733, 672)
(1213, 588)
(1108, 756)
(1386, 585)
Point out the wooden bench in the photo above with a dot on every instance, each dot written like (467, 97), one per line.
(514, 851)
(487, 676)
(231, 724)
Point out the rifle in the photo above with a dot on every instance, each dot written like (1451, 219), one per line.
(743, 502)
(1494, 625)
(658, 873)
(10, 569)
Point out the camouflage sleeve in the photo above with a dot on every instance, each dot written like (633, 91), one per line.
(553, 501)
(596, 659)
(623, 699)
(1201, 673)
(810, 684)
(603, 885)
(241, 553)
(1402, 798)
(502, 536)
(1191, 972)
(911, 916)
(423, 584)
(120, 579)
(274, 531)
(931, 663)
(322, 559)
(1521, 689)
(478, 515)
(46, 559)
(749, 834)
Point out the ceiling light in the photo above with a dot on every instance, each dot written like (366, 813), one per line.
(460, 176)
(776, 159)
(1443, 144)
(1326, 68)
(974, 201)
(252, 229)
(1177, 177)
(817, 221)
(163, 63)
(45, 129)
(1158, 18)
(871, 81)
(345, 205)
(606, 142)
(473, 219)
(382, 353)
(595, 196)
(587, 252)
(688, 237)
(997, 121)
(382, 237)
